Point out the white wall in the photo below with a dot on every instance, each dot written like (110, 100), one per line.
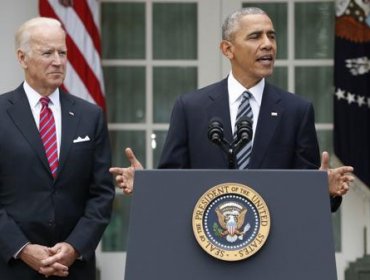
(12, 14)
(355, 216)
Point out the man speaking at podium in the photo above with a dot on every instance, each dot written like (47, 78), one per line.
(284, 135)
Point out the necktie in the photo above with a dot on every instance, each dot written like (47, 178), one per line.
(48, 135)
(244, 109)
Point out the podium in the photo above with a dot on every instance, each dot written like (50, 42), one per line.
(162, 245)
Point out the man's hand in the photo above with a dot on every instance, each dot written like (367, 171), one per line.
(339, 178)
(33, 255)
(125, 176)
(61, 253)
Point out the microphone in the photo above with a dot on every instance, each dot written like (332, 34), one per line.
(216, 131)
(244, 133)
(244, 130)
(216, 136)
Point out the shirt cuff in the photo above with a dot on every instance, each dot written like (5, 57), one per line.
(16, 255)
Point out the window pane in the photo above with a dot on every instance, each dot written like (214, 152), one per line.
(168, 83)
(278, 14)
(337, 233)
(279, 77)
(122, 139)
(115, 236)
(314, 30)
(160, 137)
(325, 138)
(125, 94)
(175, 31)
(123, 30)
(316, 83)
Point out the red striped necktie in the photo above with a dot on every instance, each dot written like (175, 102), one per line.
(48, 135)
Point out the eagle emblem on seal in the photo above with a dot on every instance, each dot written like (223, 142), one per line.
(231, 218)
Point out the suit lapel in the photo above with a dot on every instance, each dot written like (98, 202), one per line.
(70, 119)
(219, 107)
(269, 116)
(23, 119)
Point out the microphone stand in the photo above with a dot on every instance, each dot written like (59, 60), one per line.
(231, 149)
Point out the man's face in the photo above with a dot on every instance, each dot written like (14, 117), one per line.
(253, 49)
(45, 63)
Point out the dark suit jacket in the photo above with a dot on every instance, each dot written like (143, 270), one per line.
(75, 207)
(285, 141)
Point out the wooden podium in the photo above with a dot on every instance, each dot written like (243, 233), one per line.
(162, 245)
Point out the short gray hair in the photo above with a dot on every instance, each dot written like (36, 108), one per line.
(231, 22)
(24, 32)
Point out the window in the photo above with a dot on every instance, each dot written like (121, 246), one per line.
(149, 58)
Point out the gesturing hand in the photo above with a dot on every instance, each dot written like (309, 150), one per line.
(339, 178)
(124, 176)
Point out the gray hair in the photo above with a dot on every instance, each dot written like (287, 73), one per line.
(232, 21)
(24, 32)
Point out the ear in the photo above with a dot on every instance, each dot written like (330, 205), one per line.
(22, 58)
(227, 49)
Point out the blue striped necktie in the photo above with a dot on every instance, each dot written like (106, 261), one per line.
(243, 156)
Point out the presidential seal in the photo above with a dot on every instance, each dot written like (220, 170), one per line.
(231, 222)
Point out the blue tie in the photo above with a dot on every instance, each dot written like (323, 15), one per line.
(243, 156)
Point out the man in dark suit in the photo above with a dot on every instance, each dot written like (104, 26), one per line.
(55, 189)
(285, 136)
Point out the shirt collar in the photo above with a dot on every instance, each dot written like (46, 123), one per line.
(236, 89)
(34, 97)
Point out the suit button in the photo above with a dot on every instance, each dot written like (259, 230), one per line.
(51, 223)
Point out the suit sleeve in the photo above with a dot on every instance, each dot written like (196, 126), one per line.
(12, 238)
(175, 153)
(307, 152)
(89, 229)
